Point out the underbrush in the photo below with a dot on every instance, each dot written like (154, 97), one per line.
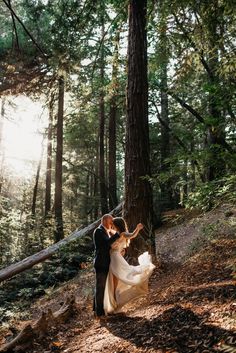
(210, 233)
(18, 293)
(213, 193)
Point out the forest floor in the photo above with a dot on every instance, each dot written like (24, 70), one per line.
(190, 308)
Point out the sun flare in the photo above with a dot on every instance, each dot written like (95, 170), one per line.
(23, 125)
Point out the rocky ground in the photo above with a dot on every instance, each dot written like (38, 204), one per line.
(191, 306)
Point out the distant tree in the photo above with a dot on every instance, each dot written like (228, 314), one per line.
(59, 233)
(35, 190)
(167, 201)
(49, 159)
(102, 176)
(1, 142)
(113, 201)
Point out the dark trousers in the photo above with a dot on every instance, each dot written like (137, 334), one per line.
(100, 283)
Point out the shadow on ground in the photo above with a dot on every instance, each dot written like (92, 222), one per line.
(220, 293)
(177, 329)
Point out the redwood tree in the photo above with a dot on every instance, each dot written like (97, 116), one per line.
(59, 152)
(113, 201)
(103, 188)
(163, 56)
(138, 196)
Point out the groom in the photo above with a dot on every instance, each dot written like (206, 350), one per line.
(102, 242)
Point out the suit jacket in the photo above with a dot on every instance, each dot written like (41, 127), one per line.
(102, 243)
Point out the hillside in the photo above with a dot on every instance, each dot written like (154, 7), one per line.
(191, 306)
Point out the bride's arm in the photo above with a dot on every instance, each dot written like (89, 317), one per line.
(127, 235)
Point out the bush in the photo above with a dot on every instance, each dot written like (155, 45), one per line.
(213, 193)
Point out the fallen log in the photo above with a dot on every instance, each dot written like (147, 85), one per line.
(44, 254)
(40, 328)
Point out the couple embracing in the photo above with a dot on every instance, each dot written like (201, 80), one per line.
(116, 281)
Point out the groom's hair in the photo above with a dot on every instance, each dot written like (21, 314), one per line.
(105, 217)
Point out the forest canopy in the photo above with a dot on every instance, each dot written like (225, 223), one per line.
(139, 106)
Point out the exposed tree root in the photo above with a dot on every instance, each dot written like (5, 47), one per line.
(40, 328)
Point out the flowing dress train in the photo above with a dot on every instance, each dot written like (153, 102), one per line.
(131, 281)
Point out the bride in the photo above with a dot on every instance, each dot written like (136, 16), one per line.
(125, 282)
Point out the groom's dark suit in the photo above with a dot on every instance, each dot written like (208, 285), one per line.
(102, 243)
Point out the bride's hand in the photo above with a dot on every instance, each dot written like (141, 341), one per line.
(140, 226)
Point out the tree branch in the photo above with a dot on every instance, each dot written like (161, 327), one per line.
(178, 140)
(187, 106)
(200, 118)
(203, 61)
(163, 123)
(25, 29)
(14, 27)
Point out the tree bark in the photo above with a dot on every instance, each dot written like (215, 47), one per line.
(138, 195)
(35, 191)
(95, 185)
(2, 153)
(166, 192)
(49, 161)
(102, 180)
(112, 128)
(215, 133)
(59, 234)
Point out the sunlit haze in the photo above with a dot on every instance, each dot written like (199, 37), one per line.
(23, 125)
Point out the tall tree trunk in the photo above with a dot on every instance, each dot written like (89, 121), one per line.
(2, 152)
(95, 185)
(102, 178)
(2, 240)
(138, 195)
(185, 182)
(15, 39)
(215, 133)
(113, 201)
(166, 192)
(49, 161)
(35, 191)
(193, 167)
(59, 234)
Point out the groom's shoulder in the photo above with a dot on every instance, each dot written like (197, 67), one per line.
(99, 229)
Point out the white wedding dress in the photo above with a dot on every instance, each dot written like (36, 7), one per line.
(132, 280)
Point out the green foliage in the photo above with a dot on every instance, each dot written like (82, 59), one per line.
(44, 278)
(212, 194)
(10, 232)
(180, 40)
